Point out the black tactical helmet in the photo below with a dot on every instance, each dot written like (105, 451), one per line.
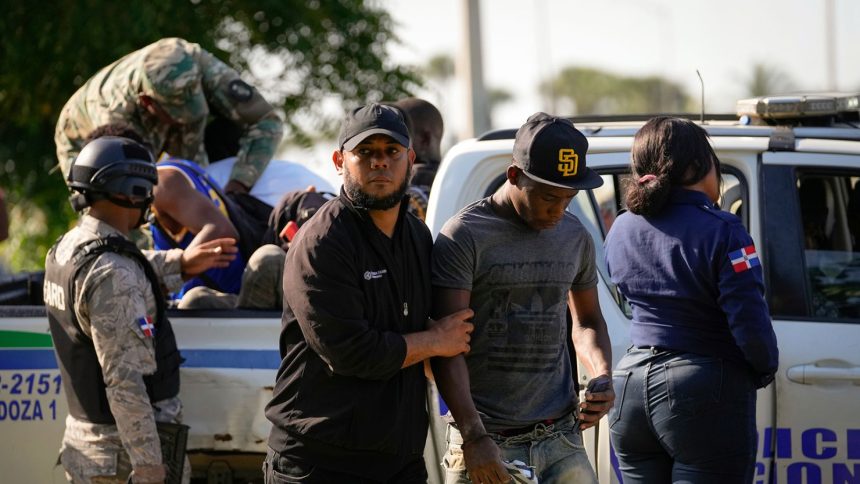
(111, 166)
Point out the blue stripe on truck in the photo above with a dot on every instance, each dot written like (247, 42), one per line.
(28, 359)
(250, 359)
(44, 359)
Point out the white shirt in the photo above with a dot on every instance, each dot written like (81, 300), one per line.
(279, 177)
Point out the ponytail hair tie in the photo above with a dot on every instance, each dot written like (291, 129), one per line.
(646, 178)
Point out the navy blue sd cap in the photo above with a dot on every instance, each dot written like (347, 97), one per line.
(552, 151)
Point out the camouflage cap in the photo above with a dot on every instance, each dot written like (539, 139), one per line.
(172, 77)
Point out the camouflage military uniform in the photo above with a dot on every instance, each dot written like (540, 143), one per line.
(110, 295)
(187, 82)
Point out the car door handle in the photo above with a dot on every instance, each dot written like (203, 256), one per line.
(811, 373)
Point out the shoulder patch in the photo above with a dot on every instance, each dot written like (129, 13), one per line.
(146, 326)
(744, 258)
(239, 90)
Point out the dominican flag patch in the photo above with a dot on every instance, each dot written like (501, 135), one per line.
(744, 259)
(145, 323)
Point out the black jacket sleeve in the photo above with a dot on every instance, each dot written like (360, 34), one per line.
(321, 288)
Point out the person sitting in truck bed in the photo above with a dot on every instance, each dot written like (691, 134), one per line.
(188, 210)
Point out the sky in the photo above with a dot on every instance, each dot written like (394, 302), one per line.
(526, 41)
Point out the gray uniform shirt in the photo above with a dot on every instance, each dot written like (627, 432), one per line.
(519, 365)
(110, 295)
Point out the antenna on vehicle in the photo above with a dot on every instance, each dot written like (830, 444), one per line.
(702, 82)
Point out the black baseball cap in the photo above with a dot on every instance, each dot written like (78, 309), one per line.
(369, 120)
(552, 151)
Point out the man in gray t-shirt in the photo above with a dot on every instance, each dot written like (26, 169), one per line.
(520, 260)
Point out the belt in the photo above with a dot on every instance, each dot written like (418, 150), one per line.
(654, 349)
(527, 429)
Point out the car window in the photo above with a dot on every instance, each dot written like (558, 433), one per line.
(830, 214)
(610, 197)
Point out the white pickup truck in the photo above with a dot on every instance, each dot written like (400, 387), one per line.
(791, 171)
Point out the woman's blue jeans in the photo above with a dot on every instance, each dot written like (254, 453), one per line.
(683, 418)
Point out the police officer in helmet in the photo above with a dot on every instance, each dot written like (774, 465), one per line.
(116, 350)
(114, 169)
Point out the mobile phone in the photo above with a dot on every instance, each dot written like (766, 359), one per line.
(597, 385)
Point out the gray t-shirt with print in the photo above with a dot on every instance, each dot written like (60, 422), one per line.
(519, 365)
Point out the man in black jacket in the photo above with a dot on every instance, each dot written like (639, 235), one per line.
(348, 404)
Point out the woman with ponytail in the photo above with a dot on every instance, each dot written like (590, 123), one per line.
(701, 331)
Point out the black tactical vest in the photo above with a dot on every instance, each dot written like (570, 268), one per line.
(82, 375)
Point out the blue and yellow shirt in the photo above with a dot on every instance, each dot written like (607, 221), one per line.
(228, 279)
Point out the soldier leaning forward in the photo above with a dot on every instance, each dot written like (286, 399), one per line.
(116, 350)
(165, 91)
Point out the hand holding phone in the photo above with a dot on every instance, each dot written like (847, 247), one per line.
(595, 401)
(599, 384)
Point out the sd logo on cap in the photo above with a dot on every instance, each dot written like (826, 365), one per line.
(551, 150)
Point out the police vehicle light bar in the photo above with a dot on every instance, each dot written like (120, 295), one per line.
(798, 106)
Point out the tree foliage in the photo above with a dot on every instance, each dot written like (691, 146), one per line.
(299, 52)
(593, 91)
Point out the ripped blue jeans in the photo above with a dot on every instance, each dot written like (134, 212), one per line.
(555, 451)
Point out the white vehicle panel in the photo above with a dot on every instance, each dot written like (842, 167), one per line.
(816, 437)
